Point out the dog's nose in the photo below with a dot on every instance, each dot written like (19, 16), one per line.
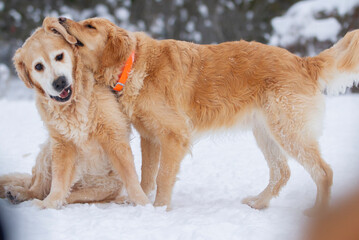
(60, 83)
(62, 19)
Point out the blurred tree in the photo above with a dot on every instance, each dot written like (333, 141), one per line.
(192, 20)
(200, 21)
(212, 20)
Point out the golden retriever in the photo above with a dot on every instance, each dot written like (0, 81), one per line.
(98, 185)
(178, 89)
(89, 136)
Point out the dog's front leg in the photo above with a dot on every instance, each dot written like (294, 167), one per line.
(119, 152)
(63, 171)
(174, 146)
(150, 162)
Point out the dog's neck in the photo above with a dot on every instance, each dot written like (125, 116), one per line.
(108, 76)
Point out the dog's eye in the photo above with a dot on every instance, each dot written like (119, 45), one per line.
(90, 26)
(39, 67)
(59, 57)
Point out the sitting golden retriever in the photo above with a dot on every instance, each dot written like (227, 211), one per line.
(100, 184)
(89, 136)
(176, 90)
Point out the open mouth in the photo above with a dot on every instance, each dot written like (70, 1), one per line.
(79, 43)
(64, 96)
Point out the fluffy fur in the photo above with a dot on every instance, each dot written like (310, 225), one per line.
(177, 90)
(99, 185)
(88, 149)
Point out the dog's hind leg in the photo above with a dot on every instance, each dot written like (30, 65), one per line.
(296, 130)
(92, 195)
(19, 187)
(306, 152)
(95, 188)
(278, 167)
(41, 173)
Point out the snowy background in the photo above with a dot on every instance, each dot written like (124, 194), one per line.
(222, 169)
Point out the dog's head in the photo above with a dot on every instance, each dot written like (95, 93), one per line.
(100, 43)
(46, 62)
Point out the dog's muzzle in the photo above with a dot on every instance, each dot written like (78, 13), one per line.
(61, 86)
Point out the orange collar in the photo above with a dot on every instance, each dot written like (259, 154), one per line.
(122, 77)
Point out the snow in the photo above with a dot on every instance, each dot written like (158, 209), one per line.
(158, 25)
(230, 5)
(2, 6)
(208, 23)
(16, 15)
(179, 2)
(102, 11)
(4, 78)
(122, 14)
(203, 10)
(4, 73)
(302, 21)
(206, 199)
(190, 26)
(183, 14)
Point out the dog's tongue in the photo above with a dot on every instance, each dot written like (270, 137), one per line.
(64, 93)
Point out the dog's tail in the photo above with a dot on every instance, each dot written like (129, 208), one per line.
(337, 68)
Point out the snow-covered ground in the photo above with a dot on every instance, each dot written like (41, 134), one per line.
(206, 200)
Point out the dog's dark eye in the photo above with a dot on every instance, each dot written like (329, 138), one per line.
(59, 57)
(90, 26)
(39, 67)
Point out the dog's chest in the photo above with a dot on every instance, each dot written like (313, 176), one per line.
(73, 129)
(73, 124)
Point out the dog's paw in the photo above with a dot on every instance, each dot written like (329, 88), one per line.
(123, 200)
(256, 202)
(16, 194)
(12, 197)
(47, 203)
(315, 211)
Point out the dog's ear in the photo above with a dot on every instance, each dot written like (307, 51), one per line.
(118, 46)
(52, 25)
(21, 69)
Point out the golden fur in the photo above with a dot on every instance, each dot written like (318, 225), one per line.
(177, 90)
(89, 136)
(103, 185)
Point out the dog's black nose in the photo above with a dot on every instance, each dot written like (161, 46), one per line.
(62, 19)
(60, 83)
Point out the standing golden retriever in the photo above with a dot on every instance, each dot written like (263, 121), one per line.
(89, 136)
(177, 89)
